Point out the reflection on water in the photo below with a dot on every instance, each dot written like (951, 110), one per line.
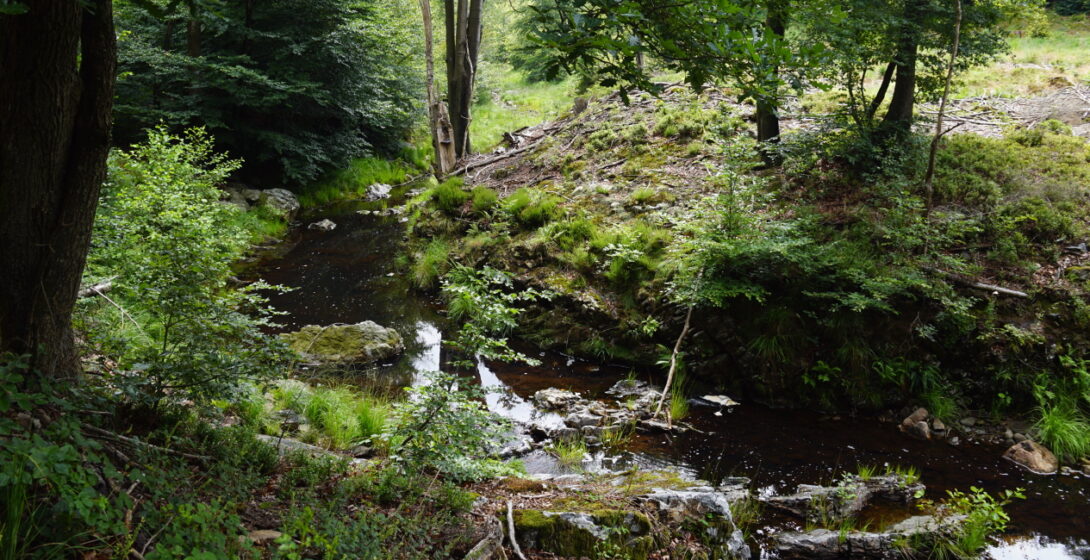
(350, 275)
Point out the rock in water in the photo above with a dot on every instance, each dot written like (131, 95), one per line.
(345, 344)
(280, 202)
(556, 399)
(378, 191)
(576, 534)
(915, 424)
(323, 225)
(1033, 456)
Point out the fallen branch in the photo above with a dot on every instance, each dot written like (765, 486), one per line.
(96, 290)
(511, 532)
(673, 361)
(489, 161)
(977, 285)
(99, 433)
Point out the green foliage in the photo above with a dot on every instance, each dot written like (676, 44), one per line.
(484, 199)
(485, 301)
(202, 531)
(163, 233)
(354, 180)
(984, 517)
(296, 87)
(345, 417)
(430, 264)
(49, 470)
(449, 196)
(532, 208)
(444, 426)
(1065, 430)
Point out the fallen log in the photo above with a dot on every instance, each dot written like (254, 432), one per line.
(96, 289)
(977, 285)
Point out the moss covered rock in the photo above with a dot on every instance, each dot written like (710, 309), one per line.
(345, 344)
(599, 534)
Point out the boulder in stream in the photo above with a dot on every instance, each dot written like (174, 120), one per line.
(360, 343)
(323, 225)
(578, 534)
(825, 544)
(1033, 456)
(281, 202)
(556, 399)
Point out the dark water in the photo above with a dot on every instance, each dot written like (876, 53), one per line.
(351, 274)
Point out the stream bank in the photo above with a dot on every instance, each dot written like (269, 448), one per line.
(351, 274)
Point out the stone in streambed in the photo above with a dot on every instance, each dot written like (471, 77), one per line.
(360, 343)
(280, 202)
(556, 399)
(1033, 456)
(915, 424)
(578, 534)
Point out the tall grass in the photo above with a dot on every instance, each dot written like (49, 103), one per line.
(431, 264)
(353, 181)
(341, 416)
(1065, 430)
(514, 103)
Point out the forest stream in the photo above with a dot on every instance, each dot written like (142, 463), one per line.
(350, 274)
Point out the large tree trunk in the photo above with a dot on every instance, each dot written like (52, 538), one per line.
(56, 99)
(901, 105)
(442, 137)
(463, 46)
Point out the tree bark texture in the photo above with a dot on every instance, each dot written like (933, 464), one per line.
(438, 118)
(903, 102)
(768, 119)
(58, 65)
(463, 38)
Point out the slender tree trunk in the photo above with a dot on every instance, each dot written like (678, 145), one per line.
(193, 31)
(880, 96)
(438, 118)
(56, 98)
(768, 119)
(903, 102)
(929, 176)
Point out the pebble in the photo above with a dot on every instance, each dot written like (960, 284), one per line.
(1019, 437)
(954, 440)
(968, 421)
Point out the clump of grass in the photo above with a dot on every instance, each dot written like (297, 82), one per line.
(449, 196)
(679, 405)
(532, 208)
(1065, 430)
(866, 472)
(643, 195)
(430, 264)
(354, 180)
(635, 134)
(942, 404)
(484, 199)
(746, 513)
(909, 475)
(569, 451)
(616, 437)
(601, 140)
(340, 416)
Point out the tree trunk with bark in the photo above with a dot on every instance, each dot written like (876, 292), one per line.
(442, 136)
(768, 118)
(56, 98)
(902, 104)
(463, 38)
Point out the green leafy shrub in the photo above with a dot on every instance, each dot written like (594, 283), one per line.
(486, 302)
(444, 426)
(162, 232)
(198, 530)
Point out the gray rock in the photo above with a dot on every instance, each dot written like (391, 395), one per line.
(556, 399)
(251, 195)
(911, 424)
(816, 503)
(378, 191)
(280, 202)
(1019, 437)
(491, 546)
(968, 421)
(345, 344)
(236, 198)
(823, 544)
(938, 426)
(582, 419)
(323, 225)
